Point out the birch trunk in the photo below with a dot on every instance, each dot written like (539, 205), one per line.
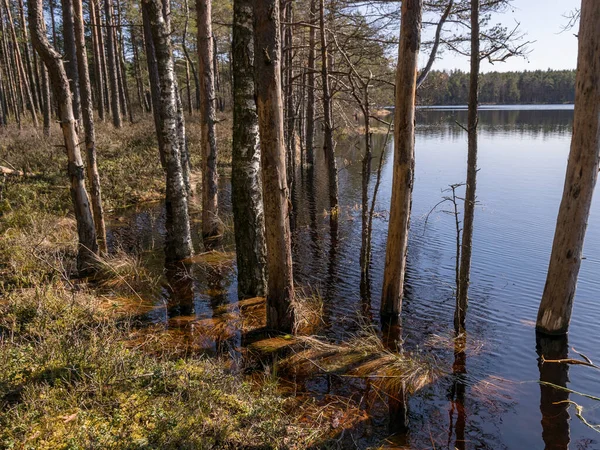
(554, 314)
(404, 160)
(178, 243)
(87, 110)
(267, 48)
(86, 256)
(211, 226)
(246, 183)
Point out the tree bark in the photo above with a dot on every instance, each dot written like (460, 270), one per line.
(404, 160)
(187, 55)
(87, 249)
(87, 109)
(246, 184)
(71, 56)
(464, 274)
(211, 225)
(30, 74)
(111, 57)
(98, 72)
(178, 243)
(328, 144)
(554, 314)
(310, 94)
(19, 64)
(267, 48)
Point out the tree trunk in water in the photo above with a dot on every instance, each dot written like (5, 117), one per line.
(178, 242)
(246, 183)
(365, 249)
(87, 110)
(267, 48)
(20, 68)
(464, 274)
(310, 95)
(211, 226)
(112, 66)
(71, 56)
(404, 160)
(86, 257)
(328, 145)
(582, 172)
(98, 75)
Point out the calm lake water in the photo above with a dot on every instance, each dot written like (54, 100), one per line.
(497, 403)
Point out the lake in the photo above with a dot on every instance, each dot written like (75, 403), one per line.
(494, 401)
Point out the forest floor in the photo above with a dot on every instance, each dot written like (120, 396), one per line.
(73, 370)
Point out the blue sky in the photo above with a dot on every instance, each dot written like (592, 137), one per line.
(542, 21)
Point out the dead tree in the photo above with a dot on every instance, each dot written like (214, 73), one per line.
(554, 314)
(88, 247)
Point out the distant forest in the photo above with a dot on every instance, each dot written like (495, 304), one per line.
(529, 87)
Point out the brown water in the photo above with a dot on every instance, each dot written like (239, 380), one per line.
(493, 400)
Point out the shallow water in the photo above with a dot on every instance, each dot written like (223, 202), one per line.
(494, 400)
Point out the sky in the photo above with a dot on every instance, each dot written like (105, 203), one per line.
(542, 21)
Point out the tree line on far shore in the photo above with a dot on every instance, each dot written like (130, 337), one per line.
(503, 88)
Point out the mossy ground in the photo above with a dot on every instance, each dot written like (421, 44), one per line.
(73, 372)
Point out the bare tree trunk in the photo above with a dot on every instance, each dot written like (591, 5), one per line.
(178, 243)
(111, 57)
(86, 257)
(10, 77)
(365, 249)
(138, 71)
(288, 73)
(328, 144)
(246, 183)
(554, 314)
(46, 101)
(436, 44)
(122, 72)
(267, 48)
(187, 55)
(310, 95)
(87, 109)
(103, 59)
(19, 64)
(30, 76)
(211, 226)
(404, 160)
(53, 22)
(464, 276)
(99, 76)
(71, 56)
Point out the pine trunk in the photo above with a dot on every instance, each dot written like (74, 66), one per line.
(111, 57)
(404, 160)
(464, 274)
(554, 314)
(88, 247)
(267, 48)
(310, 94)
(98, 75)
(71, 56)
(211, 226)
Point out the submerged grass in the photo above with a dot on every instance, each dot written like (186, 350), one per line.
(69, 378)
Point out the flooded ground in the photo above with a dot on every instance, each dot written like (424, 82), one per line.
(492, 400)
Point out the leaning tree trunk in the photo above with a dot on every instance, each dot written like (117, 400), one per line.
(246, 184)
(19, 64)
(71, 56)
(404, 160)
(178, 243)
(87, 109)
(87, 249)
(111, 58)
(211, 226)
(267, 48)
(582, 172)
(328, 145)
